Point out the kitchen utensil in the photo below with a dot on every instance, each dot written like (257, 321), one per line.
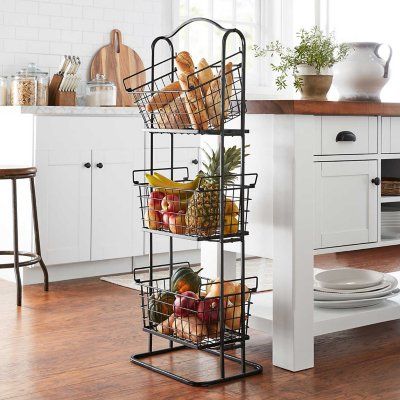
(363, 73)
(329, 296)
(117, 61)
(355, 303)
(348, 278)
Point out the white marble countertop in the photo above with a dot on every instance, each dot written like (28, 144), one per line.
(51, 110)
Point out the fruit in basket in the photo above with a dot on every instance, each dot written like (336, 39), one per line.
(171, 203)
(155, 199)
(177, 223)
(160, 306)
(165, 219)
(236, 298)
(153, 219)
(202, 215)
(231, 207)
(208, 310)
(215, 289)
(231, 225)
(185, 279)
(185, 304)
(233, 316)
(167, 326)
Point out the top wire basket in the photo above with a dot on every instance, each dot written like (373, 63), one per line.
(164, 105)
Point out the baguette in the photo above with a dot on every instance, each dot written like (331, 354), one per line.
(229, 87)
(164, 96)
(173, 115)
(184, 63)
(194, 101)
(205, 75)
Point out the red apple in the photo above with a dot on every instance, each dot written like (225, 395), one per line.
(185, 304)
(153, 219)
(171, 202)
(155, 200)
(165, 218)
(177, 223)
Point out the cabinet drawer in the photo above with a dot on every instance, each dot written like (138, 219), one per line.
(349, 135)
(390, 135)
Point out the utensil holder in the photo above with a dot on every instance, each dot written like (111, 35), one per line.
(58, 98)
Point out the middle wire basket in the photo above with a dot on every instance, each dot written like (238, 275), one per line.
(191, 318)
(194, 212)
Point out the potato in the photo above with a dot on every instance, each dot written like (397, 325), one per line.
(191, 328)
(167, 326)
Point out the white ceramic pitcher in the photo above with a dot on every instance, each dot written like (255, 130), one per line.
(363, 74)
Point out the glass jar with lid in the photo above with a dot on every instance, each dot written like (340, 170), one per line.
(3, 90)
(100, 92)
(22, 84)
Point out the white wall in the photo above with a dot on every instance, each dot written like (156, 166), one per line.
(42, 31)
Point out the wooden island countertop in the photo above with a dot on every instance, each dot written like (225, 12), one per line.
(313, 107)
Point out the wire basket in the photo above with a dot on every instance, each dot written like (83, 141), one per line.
(193, 321)
(390, 187)
(195, 213)
(164, 105)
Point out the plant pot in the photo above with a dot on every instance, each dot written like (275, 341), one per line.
(315, 87)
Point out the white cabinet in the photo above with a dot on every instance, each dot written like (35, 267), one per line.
(87, 206)
(346, 203)
(390, 135)
(115, 217)
(183, 157)
(64, 204)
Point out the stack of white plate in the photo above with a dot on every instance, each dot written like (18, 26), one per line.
(352, 288)
(390, 222)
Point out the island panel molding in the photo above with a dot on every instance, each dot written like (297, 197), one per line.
(313, 107)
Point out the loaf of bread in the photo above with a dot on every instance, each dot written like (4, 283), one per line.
(194, 101)
(174, 115)
(205, 75)
(164, 96)
(184, 63)
(214, 97)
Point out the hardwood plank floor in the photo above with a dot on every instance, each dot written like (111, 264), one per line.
(75, 341)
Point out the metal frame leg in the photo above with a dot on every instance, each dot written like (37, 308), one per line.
(37, 237)
(16, 255)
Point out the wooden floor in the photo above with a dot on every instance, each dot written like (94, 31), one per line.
(75, 341)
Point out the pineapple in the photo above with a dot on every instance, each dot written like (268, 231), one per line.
(202, 215)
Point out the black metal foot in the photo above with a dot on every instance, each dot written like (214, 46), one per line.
(137, 359)
(45, 275)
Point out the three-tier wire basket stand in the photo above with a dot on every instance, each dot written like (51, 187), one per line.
(223, 105)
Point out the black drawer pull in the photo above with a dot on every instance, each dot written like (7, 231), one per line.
(195, 162)
(346, 136)
(87, 165)
(376, 181)
(99, 165)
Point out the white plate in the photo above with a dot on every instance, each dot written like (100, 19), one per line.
(329, 296)
(354, 303)
(348, 278)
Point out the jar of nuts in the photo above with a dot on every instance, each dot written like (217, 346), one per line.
(23, 82)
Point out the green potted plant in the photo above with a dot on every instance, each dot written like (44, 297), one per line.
(310, 62)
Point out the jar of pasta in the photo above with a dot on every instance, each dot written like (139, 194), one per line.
(23, 90)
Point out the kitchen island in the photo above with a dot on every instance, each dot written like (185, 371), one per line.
(328, 162)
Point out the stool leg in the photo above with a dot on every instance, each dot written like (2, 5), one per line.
(37, 237)
(16, 255)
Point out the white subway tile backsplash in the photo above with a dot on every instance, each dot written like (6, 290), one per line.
(41, 31)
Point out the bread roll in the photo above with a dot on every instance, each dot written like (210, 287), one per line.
(205, 75)
(229, 87)
(164, 96)
(194, 101)
(174, 115)
(184, 63)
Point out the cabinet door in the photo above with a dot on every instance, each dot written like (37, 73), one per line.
(185, 157)
(64, 203)
(346, 203)
(116, 223)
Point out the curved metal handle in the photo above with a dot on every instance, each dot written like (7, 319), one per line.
(376, 181)
(195, 161)
(87, 165)
(346, 136)
(196, 19)
(99, 165)
(386, 67)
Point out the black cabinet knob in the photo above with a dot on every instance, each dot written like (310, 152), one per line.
(87, 165)
(195, 161)
(99, 165)
(376, 181)
(346, 136)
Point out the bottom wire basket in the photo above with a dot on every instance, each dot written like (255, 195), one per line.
(191, 317)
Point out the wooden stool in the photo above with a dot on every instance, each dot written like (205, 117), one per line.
(14, 173)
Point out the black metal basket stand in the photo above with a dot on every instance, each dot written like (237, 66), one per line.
(226, 339)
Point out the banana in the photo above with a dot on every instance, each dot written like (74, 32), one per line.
(168, 183)
(153, 181)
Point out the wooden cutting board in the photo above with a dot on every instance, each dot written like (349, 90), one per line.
(117, 61)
